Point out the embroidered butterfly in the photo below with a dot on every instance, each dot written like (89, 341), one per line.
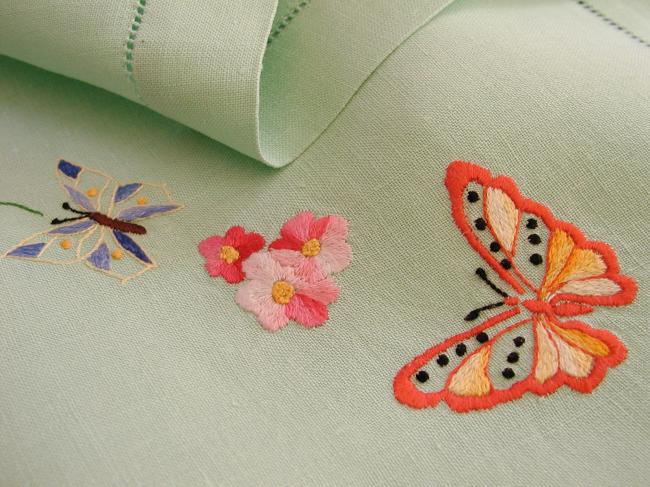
(103, 240)
(535, 345)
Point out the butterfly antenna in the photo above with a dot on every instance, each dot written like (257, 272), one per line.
(472, 315)
(66, 206)
(56, 221)
(480, 272)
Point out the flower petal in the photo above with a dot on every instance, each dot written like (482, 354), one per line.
(337, 228)
(306, 311)
(235, 236)
(318, 226)
(296, 229)
(232, 273)
(255, 297)
(325, 291)
(335, 255)
(306, 268)
(214, 267)
(261, 266)
(253, 242)
(211, 246)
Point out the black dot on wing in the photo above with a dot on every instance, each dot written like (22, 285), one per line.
(508, 373)
(442, 360)
(505, 263)
(531, 223)
(495, 247)
(534, 239)
(512, 358)
(461, 349)
(480, 224)
(482, 337)
(422, 376)
(519, 341)
(535, 259)
(472, 197)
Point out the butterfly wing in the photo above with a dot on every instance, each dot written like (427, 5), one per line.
(522, 241)
(118, 255)
(84, 187)
(63, 244)
(421, 383)
(582, 271)
(535, 355)
(138, 201)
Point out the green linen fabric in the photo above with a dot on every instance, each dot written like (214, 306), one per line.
(200, 62)
(166, 381)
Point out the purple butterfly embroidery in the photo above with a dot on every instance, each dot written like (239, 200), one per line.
(102, 239)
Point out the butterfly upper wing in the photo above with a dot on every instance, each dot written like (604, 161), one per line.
(522, 241)
(138, 201)
(62, 244)
(83, 187)
(582, 271)
(535, 355)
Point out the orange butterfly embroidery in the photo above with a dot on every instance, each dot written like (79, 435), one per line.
(555, 273)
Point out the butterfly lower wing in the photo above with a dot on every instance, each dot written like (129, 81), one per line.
(536, 355)
(583, 353)
(118, 255)
(63, 244)
(422, 382)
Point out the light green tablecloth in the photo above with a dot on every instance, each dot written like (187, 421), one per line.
(166, 381)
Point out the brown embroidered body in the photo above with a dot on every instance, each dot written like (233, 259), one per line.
(120, 225)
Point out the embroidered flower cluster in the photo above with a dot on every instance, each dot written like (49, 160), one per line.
(291, 280)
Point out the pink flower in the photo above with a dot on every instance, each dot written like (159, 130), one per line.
(314, 247)
(225, 255)
(275, 294)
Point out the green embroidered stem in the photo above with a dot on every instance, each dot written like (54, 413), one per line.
(22, 207)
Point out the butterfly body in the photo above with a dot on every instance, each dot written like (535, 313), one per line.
(99, 238)
(553, 273)
(116, 224)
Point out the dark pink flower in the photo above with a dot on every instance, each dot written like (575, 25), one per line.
(225, 255)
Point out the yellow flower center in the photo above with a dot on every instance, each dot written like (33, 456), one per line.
(92, 192)
(65, 244)
(228, 254)
(311, 248)
(117, 254)
(142, 201)
(282, 292)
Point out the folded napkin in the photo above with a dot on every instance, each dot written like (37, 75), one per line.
(261, 76)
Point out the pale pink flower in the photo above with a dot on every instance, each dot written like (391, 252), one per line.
(276, 294)
(314, 247)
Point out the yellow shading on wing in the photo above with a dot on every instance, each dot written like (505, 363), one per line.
(503, 217)
(471, 378)
(581, 264)
(559, 249)
(573, 361)
(586, 342)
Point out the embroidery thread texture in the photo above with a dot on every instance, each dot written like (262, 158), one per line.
(291, 280)
(508, 355)
(99, 238)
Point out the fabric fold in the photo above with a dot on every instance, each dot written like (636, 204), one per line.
(264, 78)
